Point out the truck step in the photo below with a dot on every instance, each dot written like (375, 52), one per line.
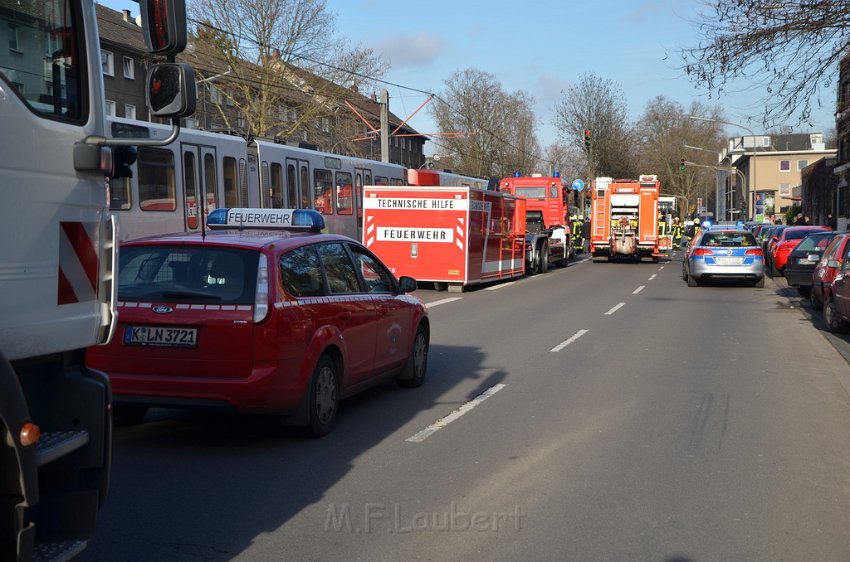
(57, 444)
(58, 551)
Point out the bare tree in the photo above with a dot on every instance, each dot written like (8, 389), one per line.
(790, 49)
(668, 136)
(568, 160)
(488, 131)
(597, 105)
(278, 63)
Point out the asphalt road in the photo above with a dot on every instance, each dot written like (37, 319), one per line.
(597, 412)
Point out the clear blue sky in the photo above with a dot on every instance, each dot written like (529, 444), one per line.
(540, 47)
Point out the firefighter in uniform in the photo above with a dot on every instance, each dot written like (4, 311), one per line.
(663, 226)
(677, 229)
(576, 234)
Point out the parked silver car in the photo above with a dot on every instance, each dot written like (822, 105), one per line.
(724, 254)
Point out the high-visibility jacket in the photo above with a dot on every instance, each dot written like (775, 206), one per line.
(662, 228)
(677, 229)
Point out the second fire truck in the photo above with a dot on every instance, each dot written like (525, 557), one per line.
(624, 219)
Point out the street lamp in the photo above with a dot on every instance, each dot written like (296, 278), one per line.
(749, 189)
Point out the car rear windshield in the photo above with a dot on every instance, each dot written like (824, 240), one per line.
(796, 234)
(814, 243)
(197, 274)
(728, 239)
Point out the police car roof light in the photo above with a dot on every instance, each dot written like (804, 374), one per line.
(286, 219)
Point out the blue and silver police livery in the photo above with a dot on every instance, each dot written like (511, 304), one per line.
(724, 254)
(298, 219)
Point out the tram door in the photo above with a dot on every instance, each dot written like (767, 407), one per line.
(298, 184)
(362, 176)
(199, 182)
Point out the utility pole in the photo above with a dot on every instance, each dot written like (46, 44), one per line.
(385, 126)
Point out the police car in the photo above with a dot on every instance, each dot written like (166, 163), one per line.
(719, 252)
(261, 314)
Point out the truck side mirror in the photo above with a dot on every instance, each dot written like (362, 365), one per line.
(164, 24)
(171, 90)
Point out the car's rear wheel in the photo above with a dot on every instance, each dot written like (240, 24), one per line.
(417, 364)
(324, 397)
(804, 291)
(692, 281)
(128, 414)
(830, 315)
(759, 284)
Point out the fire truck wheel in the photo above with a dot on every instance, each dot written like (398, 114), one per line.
(324, 398)
(128, 414)
(417, 364)
(543, 261)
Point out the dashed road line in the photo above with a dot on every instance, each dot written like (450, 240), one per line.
(639, 289)
(443, 422)
(567, 342)
(615, 309)
(443, 301)
(651, 277)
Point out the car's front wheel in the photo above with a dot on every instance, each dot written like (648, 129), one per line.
(814, 301)
(324, 397)
(128, 414)
(417, 364)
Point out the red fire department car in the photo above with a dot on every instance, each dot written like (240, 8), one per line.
(257, 319)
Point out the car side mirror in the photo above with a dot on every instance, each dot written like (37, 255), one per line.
(833, 263)
(407, 284)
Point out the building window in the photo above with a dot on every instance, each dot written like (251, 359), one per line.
(765, 142)
(110, 108)
(293, 115)
(14, 45)
(129, 69)
(108, 63)
(240, 121)
(326, 124)
(802, 164)
(784, 165)
(785, 190)
(130, 111)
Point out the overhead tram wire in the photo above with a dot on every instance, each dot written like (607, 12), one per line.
(373, 79)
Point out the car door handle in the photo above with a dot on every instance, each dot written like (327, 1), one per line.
(383, 310)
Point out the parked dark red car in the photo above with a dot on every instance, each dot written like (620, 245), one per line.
(836, 306)
(827, 268)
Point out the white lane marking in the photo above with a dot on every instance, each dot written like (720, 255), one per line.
(651, 277)
(660, 268)
(443, 422)
(615, 309)
(443, 301)
(565, 343)
(639, 289)
(499, 286)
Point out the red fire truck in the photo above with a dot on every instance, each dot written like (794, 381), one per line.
(624, 221)
(454, 236)
(547, 237)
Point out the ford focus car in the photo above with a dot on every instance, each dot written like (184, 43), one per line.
(804, 258)
(257, 319)
(724, 254)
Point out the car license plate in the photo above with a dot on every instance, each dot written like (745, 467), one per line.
(161, 336)
(805, 261)
(728, 261)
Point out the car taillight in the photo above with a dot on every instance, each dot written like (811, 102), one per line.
(754, 252)
(261, 298)
(703, 252)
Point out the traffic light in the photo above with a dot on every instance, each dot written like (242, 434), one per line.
(587, 139)
(682, 165)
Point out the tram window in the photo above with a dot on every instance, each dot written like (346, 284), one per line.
(210, 183)
(291, 186)
(120, 197)
(156, 179)
(231, 182)
(396, 181)
(190, 188)
(305, 188)
(344, 203)
(381, 180)
(276, 186)
(323, 182)
(358, 193)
